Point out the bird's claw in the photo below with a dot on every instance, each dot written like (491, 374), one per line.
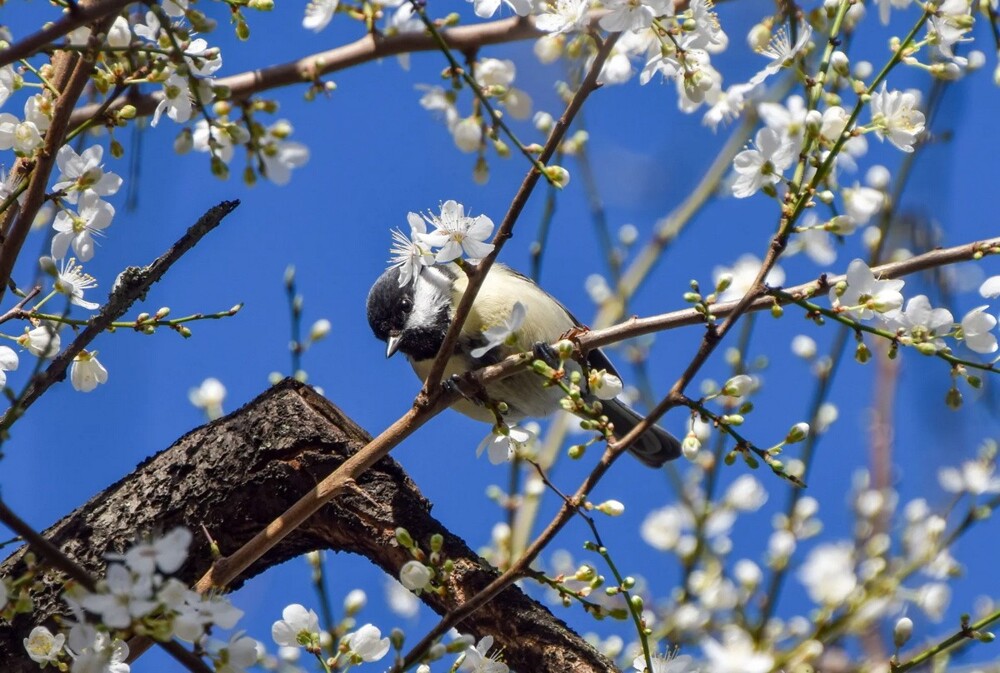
(468, 389)
(546, 353)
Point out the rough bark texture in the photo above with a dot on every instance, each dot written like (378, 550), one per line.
(238, 473)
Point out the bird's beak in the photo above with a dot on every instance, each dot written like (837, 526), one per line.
(392, 344)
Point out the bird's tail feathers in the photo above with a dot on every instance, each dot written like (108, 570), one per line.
(653, 447)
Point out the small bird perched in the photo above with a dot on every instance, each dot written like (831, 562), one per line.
(414, 317)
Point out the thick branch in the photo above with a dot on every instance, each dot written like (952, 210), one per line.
(366, 49)
(247, 468)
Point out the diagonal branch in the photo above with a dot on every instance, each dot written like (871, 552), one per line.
(279, 445)
(132, 285)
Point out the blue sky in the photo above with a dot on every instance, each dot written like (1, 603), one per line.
(375, 155)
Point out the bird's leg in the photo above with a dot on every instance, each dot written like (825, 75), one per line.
(467, 387)
(474, 391)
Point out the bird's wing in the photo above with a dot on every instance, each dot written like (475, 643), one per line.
(596, 358)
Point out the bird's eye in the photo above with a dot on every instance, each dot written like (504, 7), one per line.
(406, 305)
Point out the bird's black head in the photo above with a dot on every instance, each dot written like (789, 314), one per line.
(413, 318)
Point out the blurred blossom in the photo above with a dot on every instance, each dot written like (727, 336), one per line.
(735, 653)
(400, 600)
(744, 271)
(828, 573)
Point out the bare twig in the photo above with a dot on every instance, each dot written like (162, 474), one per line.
(132, 285)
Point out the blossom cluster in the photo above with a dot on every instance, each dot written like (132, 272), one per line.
(863, 296)
(138, 596)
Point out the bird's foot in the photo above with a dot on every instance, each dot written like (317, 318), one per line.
(546, 353)
(468, 388)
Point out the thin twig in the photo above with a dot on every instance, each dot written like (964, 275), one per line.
(132, 285)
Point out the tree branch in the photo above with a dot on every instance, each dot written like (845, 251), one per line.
(280, 445)
(79, 15)
(369, 48)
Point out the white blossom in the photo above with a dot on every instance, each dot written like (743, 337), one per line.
(745, 494)
(410, 254)
(176, 101)
(42, 646)
(22, 136)
(735, 653)
(500, 447)
(920, 323)
(78, 230)
(119, 35)
(665, 663)
(782, 51)
(468, 134)
(743, 273)
(84, 172)
(977, 330)
(319, 14)
(235, 656)
(121, 597)
(479, 660)
(975, 477)
(866, 295)
(633, 14)
(828, 573)
(895, 117)
(400, 600)
(209, 396)
(604, 385)
(990, 288)
(367, 644)
(762, 164)
(502, 334)
(167, 553)
(8, 363)
(486, 8)
(86, 372)
(562, 16)
(457, 234)
(297, 627)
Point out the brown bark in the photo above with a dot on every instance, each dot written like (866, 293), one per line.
(238, 473)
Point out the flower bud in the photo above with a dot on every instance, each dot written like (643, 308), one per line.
(354, 601)
(840, 63)
(611, 508)
(738, 386)
(415, 576)
(319, 329)
(902, 631)
(798, 432)
(404, 538)
(557, 175)
(690, 447)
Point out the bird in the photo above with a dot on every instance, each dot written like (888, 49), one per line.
(413, 318)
